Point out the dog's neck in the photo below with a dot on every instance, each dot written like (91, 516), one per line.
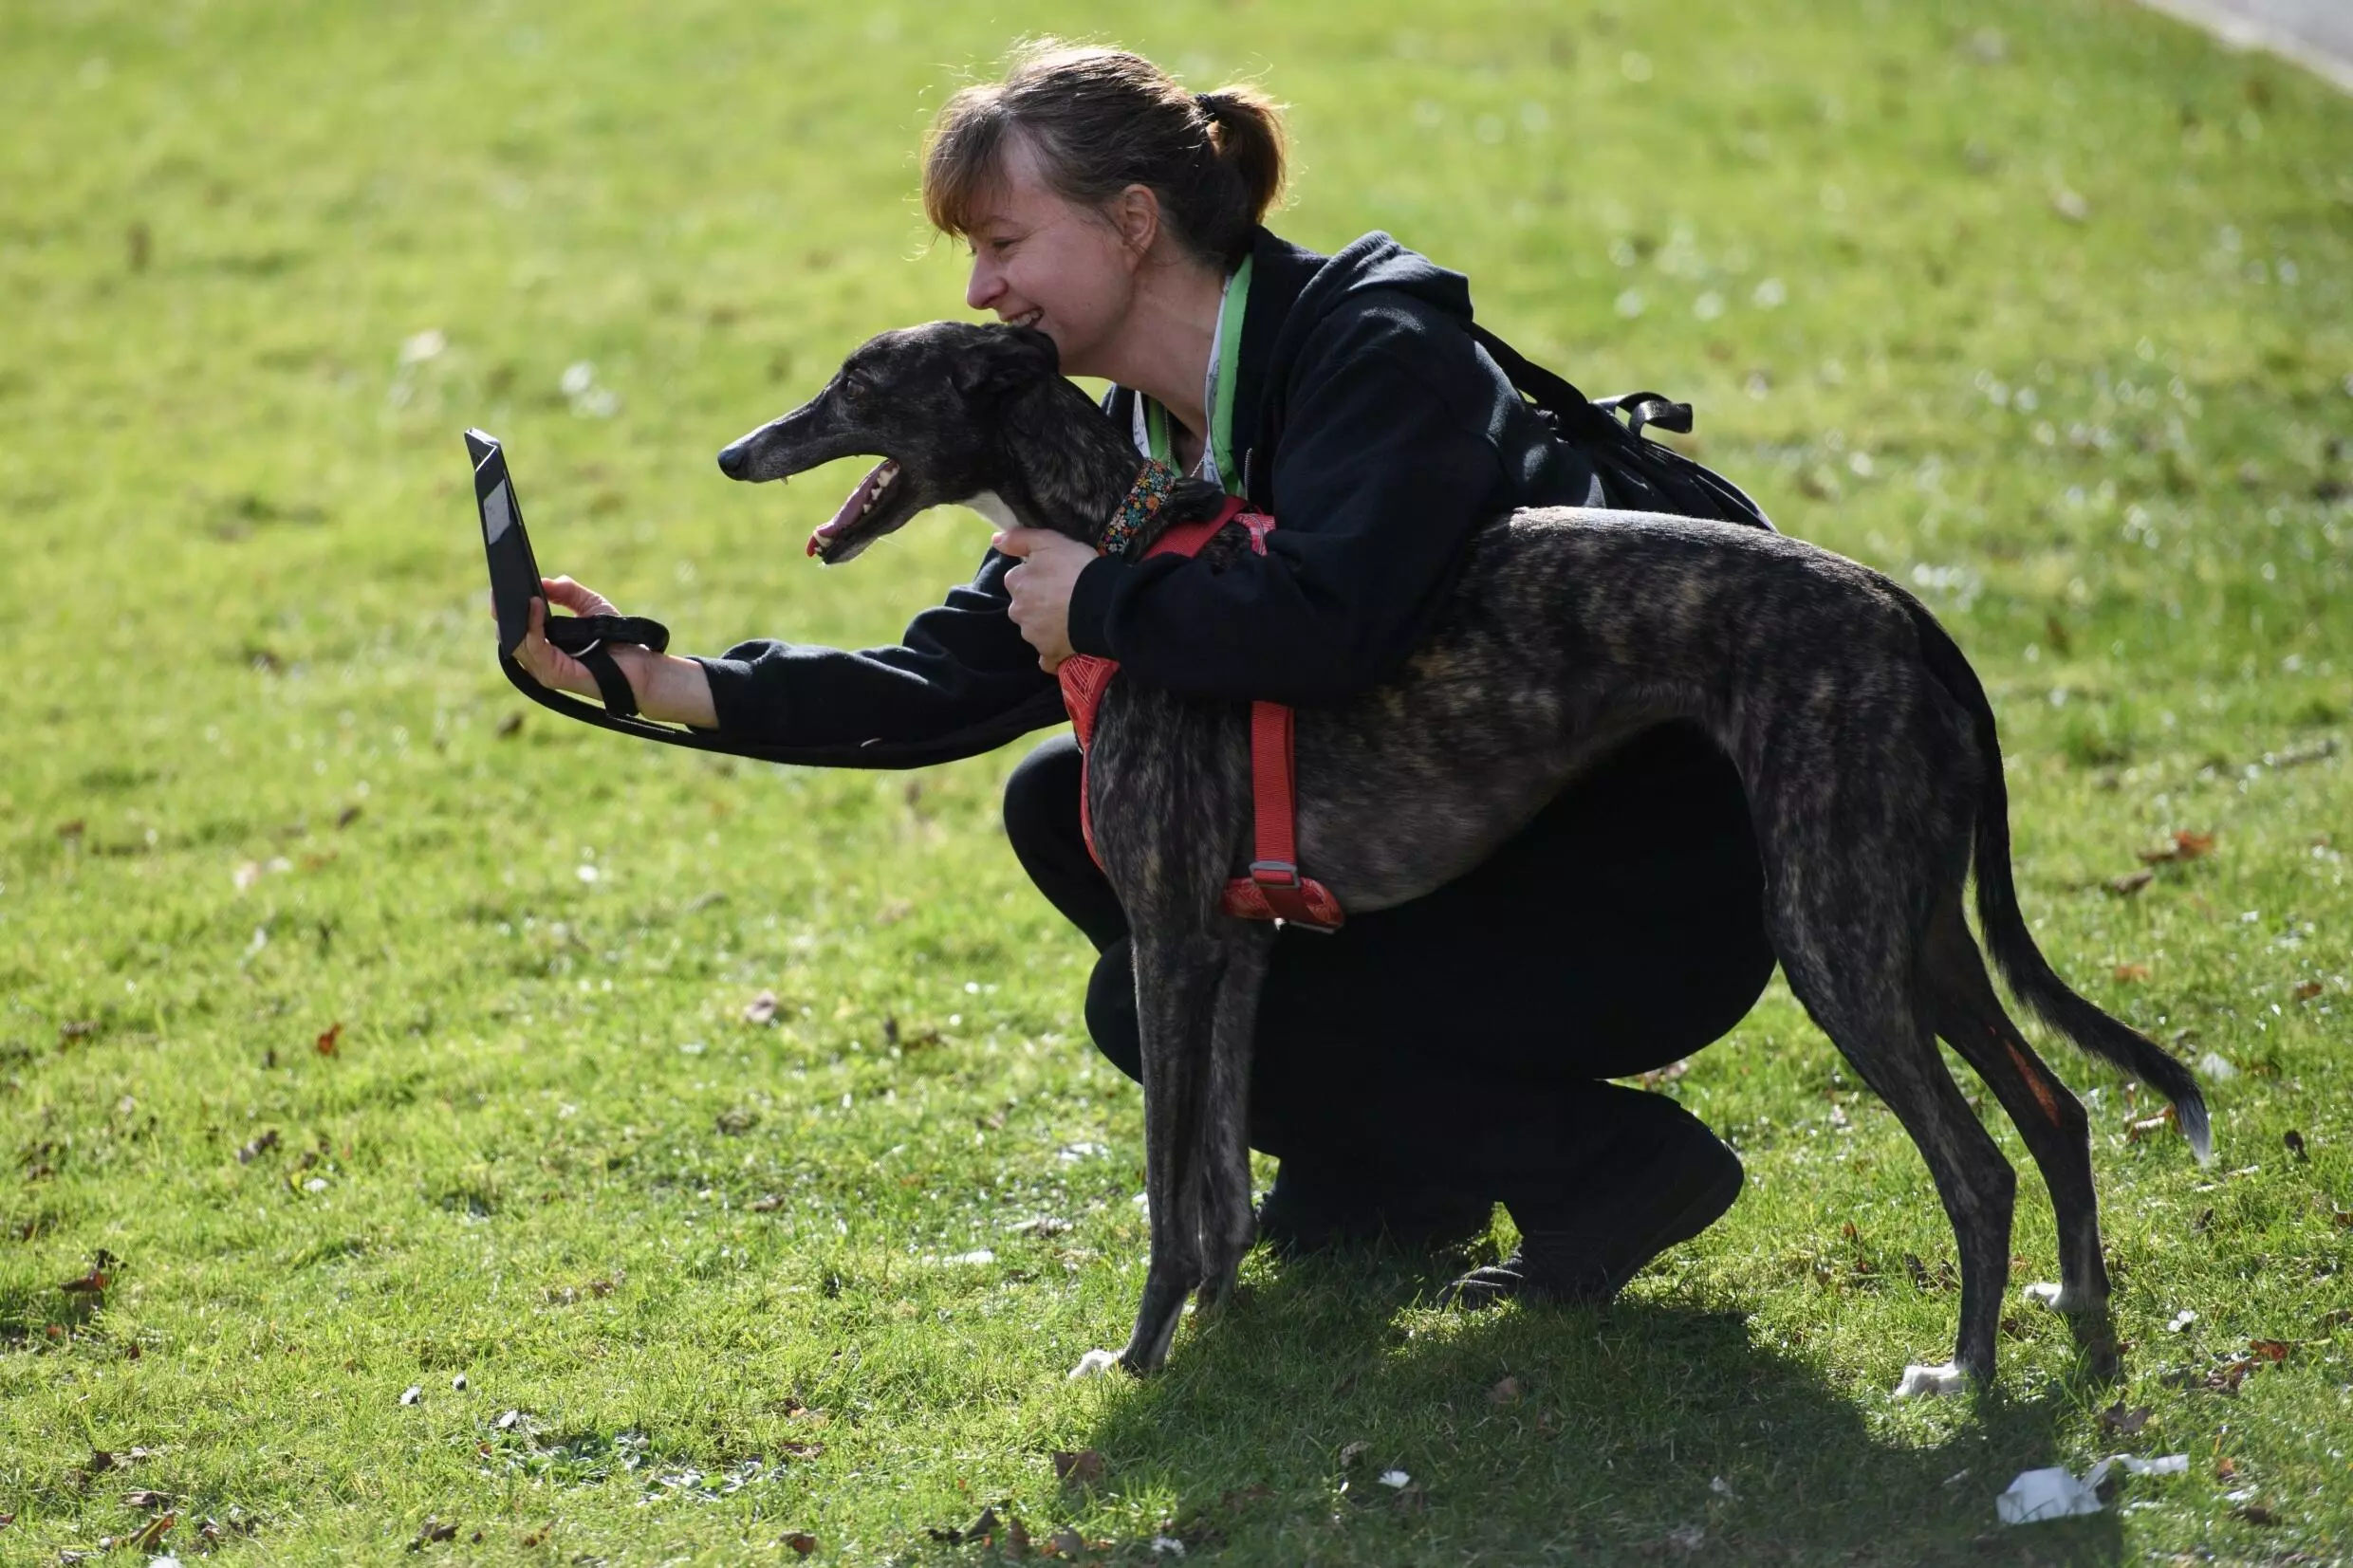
(1069, 468)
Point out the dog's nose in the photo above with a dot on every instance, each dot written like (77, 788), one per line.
(732, 460)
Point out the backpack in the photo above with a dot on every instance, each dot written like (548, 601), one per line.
(1635, 474)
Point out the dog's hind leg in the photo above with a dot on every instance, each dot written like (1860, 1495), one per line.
(1969, 1016)
(1228, 1227)
(1882, 1031)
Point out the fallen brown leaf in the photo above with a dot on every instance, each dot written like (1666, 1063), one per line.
(2185, 846)
(2305, 990)
(2255, 1513)
(801, 1541)
(2294, 1144)
(2226, 1470)
(141, 1497)
(761, 1008)
(1353, 1454)
(332, 1038)
(156, 1529)
(2132, 971)
(2126, 1423)
(1083, 1467)
(767, 1202)
(72, 830)
(2148, 1126)
(736, 1122)
(2131, 882)
(509, 726)
(248, 1154)
(1069, 1542)
(432, 1530)
(1505, 1391)
(2269, 1350)
(92, 1283)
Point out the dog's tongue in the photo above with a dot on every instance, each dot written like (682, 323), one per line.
(850, 508)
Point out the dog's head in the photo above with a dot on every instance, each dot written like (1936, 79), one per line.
(930, 401)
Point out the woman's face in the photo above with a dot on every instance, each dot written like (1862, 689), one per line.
(1044, 261)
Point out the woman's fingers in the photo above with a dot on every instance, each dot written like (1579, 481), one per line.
(576, 597)
(548, 664)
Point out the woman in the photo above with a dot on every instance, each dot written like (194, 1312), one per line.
(1429, 1060)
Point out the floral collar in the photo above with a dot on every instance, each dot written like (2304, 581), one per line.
(1145, 497)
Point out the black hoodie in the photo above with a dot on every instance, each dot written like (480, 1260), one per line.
(1379, 435)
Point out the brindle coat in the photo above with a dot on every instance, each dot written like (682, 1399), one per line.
(1862, 737)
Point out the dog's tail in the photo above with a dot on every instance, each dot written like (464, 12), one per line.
(2022, 963)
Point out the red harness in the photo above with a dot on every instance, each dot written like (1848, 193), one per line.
(1273, 890)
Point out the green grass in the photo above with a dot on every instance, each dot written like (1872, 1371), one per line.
(2041, 308)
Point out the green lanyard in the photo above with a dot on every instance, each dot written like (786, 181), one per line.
(1221, 411)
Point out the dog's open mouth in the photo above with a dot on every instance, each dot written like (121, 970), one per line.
(868, 495)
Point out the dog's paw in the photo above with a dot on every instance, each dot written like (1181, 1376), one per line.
(1095, 1363)
(1933, 1382)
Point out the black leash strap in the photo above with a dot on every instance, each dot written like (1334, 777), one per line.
(588, 639)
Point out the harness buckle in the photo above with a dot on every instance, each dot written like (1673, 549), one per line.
(1274, 874)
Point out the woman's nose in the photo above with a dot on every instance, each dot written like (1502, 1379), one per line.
(985, 285)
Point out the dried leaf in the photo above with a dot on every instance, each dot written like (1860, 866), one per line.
(2132, 971)
(1067, 1542)
(80, 1028)
(92, 1283)
(2255, 1513)
(510, 726)
(156, 1529)
(332, 1038)
(2226, 1470)
(767, 1202)
(2294, 1141)
(1083, 1467)
(1353, 1454)
(2148, 1126)
(801, 1541)
(736, 1122)
(432, 1530)
(2269, 1350)
(2126, 1423)
(248, 1153)
(1505, 1393)
(762, 1008)
(2185, 846)
(141, 1497)
(2131, 882)
(2306, 989)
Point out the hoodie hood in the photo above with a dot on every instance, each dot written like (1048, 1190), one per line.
(1292, 290)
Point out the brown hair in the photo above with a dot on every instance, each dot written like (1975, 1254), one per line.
(1102, 120)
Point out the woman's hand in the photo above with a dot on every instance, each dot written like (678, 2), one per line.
(543, 660)
(1041, 586)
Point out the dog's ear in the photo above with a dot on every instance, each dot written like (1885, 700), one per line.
(1008, 362)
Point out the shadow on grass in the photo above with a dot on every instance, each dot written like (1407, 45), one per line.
(1646, 1431)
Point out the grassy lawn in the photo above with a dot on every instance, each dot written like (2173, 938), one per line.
(2045, 309)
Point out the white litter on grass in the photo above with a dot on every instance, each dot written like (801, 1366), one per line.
(978, 1255)
(2043, 1295)
(2217, 1068)
(1398, 1480)
(2182, 1320)
(1933, 1382)
(1168, 1546)
(2037, 1496)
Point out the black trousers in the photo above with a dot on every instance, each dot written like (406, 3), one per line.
(1458, 1040)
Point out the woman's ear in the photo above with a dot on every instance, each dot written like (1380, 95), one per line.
(1135, 214)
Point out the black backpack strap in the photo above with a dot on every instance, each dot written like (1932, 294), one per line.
(1636, 474)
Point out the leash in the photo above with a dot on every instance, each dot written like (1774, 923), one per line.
(1273, 890)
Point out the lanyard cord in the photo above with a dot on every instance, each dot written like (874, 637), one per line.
(1224, 365)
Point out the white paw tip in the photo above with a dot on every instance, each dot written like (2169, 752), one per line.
(2043, 1295)
(1935, 1382)
(1095, 1363)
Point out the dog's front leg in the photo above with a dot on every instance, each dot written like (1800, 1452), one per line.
(1228, 1225)
(1176, 985)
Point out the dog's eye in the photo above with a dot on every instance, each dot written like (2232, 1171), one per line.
(853, 384)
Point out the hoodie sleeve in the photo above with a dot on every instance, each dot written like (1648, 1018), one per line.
(1387, 460)
(959, 666)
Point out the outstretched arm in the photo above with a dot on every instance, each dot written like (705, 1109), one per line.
(669, 688)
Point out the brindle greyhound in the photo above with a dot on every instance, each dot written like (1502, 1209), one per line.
(1862, 737)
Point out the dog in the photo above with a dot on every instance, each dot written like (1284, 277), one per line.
(1864, 740)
